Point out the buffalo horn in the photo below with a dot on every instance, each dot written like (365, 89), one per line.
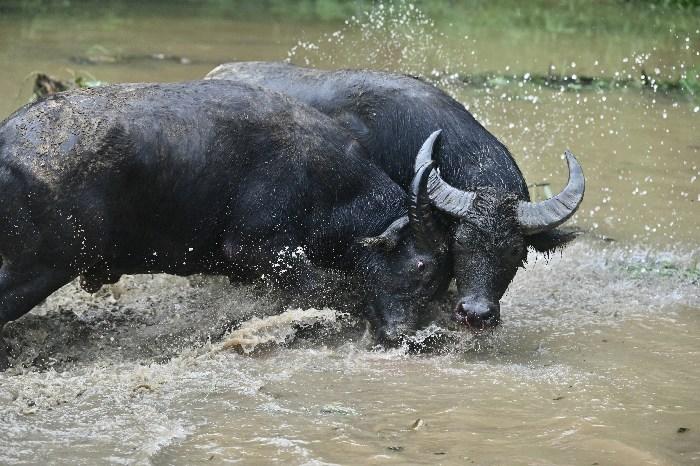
(443, 196)
(536, 217)
(420, 211)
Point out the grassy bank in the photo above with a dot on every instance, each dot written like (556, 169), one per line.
(566, 16)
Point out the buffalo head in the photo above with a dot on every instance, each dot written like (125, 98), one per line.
(492, 234)
(406, 266)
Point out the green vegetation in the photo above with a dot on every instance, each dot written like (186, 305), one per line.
(663, 268)
(45, 85)
(540, 29)
(586, 18)
(582, 17)
(688, 84)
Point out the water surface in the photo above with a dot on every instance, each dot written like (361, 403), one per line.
(596, 362)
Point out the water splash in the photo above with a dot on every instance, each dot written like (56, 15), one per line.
(642, 189)
(279, 329)
(392, 35)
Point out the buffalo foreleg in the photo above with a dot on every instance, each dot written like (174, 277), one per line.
(21, 290)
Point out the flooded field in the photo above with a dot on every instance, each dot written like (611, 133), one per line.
(596, 361)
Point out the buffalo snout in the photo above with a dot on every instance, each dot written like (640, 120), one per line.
(478, 314)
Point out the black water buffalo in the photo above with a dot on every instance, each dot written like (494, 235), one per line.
(208, 177)
(479, 188)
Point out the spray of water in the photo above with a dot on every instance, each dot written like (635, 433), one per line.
(392, 36)
(634, 190)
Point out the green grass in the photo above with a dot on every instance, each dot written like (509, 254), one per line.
(583, 17)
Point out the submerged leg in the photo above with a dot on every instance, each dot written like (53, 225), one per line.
(21, 291)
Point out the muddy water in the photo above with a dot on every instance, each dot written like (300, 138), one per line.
(596, 361)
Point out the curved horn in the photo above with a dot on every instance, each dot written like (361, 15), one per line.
(443, 196)
(420, 211)
(536, 217)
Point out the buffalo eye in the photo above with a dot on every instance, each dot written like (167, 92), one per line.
(420, 266)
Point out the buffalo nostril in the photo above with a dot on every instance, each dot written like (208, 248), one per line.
(494, 312)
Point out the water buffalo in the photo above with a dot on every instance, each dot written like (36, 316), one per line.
(479, 189)
(208, 177)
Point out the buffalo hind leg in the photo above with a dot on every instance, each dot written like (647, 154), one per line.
(21, 291)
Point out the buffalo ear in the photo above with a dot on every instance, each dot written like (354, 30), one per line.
(390, 238)
(550, 241)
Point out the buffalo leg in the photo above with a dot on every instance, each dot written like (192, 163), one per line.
(21, 291)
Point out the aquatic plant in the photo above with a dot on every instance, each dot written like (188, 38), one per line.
(46, 85)
(688, 84)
